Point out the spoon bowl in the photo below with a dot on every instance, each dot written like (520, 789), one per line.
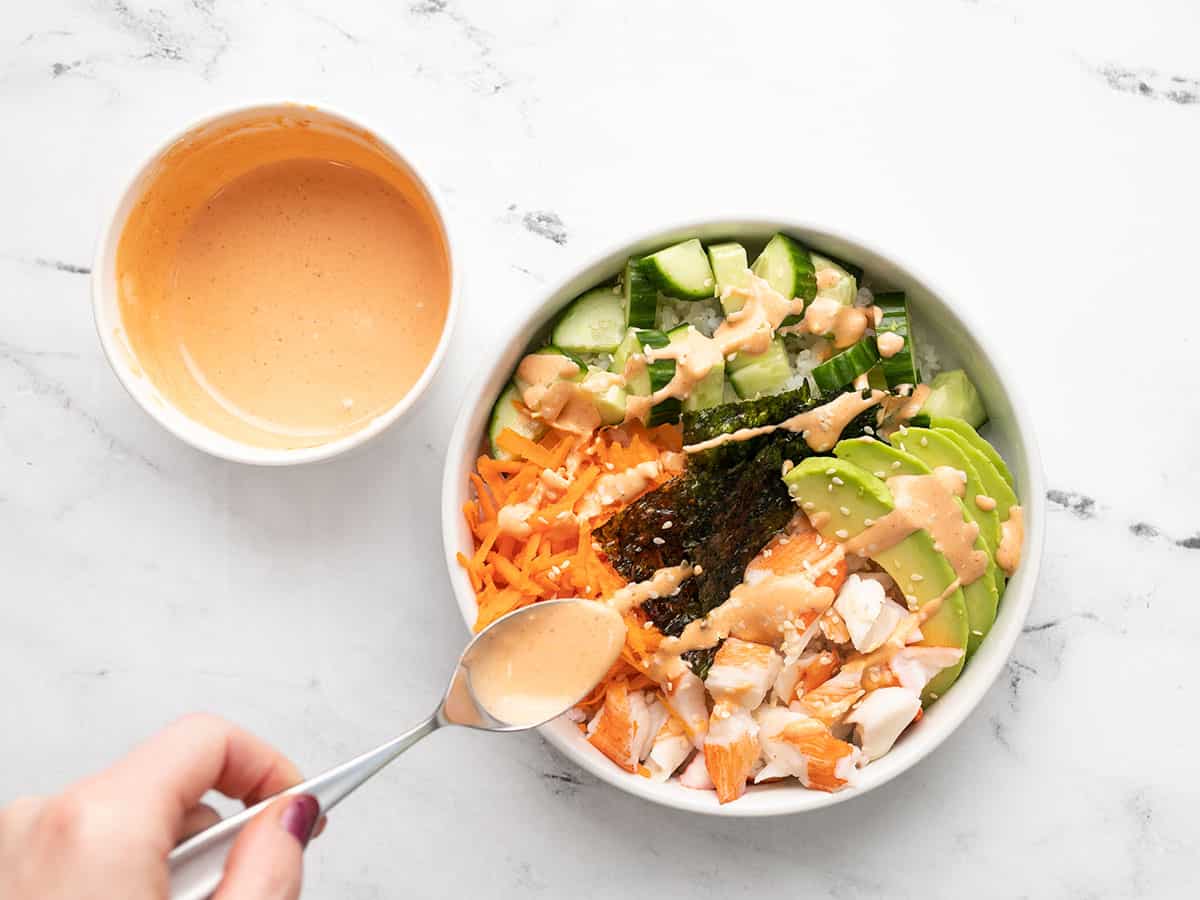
(533, 637)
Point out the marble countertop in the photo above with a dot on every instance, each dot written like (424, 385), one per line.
(1040, 157)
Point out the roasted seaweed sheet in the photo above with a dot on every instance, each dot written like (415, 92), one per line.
(719, 513)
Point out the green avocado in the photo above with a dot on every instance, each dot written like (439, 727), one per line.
(971, 436)
(831, 485)
(982, 596)
(994, 485)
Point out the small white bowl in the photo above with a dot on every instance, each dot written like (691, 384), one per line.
(121, 357)
(936, 323)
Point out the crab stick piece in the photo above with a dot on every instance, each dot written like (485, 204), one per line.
(685, 698)
(833, 699)
(672, 746)
(626, 724)
(800, 550)
(731, 750)
(742, 672)
(870, 617)
(882, 717)
(695, 774)
(796, 744)
(914, 667)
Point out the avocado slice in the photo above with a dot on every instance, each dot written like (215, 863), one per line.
(982, 596)
(994, 485)
(964, 430)
(825, 484)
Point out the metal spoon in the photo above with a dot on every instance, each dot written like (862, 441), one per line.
(197, 864)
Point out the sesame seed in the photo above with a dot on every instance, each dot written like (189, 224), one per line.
(880, 474)
(917, 577)
(842, 533)
(924, 442)
(868, 522)
(667, 525)
(837, 480)
(830, 488)
(844, 510)
(976, 632)
(698, 570)
(896, 464)
(658, 541)
(566, 564)
(831, 471)
(808, 504)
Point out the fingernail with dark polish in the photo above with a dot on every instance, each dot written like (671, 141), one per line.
(301, 817)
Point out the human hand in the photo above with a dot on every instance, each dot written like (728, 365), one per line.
(108, 836)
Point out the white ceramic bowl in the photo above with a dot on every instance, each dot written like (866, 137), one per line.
(124, 361)
(936, 322)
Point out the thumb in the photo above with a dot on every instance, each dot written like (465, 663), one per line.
(267, 859)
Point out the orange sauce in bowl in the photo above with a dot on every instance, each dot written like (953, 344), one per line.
(282, 280)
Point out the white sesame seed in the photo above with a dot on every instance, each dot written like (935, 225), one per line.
(842, 533)
(837, 480)
(831, 471)
(896, 464)
(917, 577)
(830, 488)
(976, 632)
(844, 510)
(868, 522)
(808, 504)
(924, 442)
(667, 525)
(697, 570)
(658, 541)
(880, 474)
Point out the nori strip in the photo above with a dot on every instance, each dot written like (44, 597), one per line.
(717, 516)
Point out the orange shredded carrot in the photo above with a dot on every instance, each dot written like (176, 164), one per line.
(519, 445)
(508, 571)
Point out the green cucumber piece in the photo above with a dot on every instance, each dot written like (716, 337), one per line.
(611, 405)
(681, 271)
(731, 270)
(976, 440)
(901, 367)
(507, 413)
(787, 267)
(641, 296)
(952, 395)
(653, 377)
(593, 323)
(757, 374)
(844, 290)
(842, 368)
(710, 391)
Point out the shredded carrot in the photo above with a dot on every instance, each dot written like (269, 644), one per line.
(519, 445)
(556, 557)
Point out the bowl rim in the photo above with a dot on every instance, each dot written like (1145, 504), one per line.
(972, 685)
(122, 359)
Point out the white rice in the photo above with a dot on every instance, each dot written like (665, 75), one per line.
(706, 315)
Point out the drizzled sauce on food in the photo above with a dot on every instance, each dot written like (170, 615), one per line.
(821, 427)
(1012, 535)
(533, 667)
(928, 502)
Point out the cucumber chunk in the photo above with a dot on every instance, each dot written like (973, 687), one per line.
(654, 376)
(641, 296)
(901, 367)
(710, 390)
(844, 290)
(842, 368)
(952, 395)
(593, 323)
(757, 374)
(731, 270)
(681, 271)
(507, 413)
(787, 267)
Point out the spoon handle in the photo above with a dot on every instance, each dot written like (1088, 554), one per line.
(196, 865)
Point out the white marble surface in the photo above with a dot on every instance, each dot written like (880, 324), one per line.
(1039, 157)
